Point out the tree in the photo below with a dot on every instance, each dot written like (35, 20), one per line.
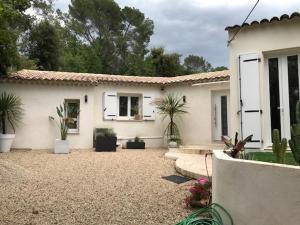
(12, 22)
(43, 46)
(220, 68)
(196, 64)
(166, 65)
(120, 36)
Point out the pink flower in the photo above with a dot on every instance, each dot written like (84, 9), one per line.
(202, 181)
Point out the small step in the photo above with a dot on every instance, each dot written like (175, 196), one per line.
(199, 149)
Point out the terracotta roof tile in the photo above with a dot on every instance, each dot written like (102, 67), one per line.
(265, 20)
(94, 79)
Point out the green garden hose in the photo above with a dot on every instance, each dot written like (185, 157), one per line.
(210, 215)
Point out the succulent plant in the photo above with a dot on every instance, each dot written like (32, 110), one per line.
(279, 146)
(295, 136)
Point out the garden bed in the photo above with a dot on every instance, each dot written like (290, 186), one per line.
(270, 157)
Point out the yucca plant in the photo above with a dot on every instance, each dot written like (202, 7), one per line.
(171, 107)
(11, 111)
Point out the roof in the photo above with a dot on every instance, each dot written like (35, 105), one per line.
(95, 79)
(264, 21)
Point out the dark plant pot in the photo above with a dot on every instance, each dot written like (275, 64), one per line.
(106, 144)
(135, 145)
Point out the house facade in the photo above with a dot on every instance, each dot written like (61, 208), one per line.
(124, 103)
(264, 84)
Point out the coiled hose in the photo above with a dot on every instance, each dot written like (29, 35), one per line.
(210, 215)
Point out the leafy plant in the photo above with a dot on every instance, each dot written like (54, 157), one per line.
(171, 107)
(64, 120)
(105, 132)
(11, 111)
(279, 147)
(295, 136)
(237, 149)
(200, 194)
(137, 139)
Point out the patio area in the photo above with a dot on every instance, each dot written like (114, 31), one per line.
(85, 187)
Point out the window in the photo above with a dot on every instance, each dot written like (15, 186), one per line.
(72, 113)
(129, 106)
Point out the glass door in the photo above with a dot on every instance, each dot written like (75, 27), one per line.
(283, 92)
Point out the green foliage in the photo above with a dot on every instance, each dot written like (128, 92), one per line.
(64, 120)
(11, 111)
(270, 157)
(105, 132)
(295, 136)
(119, 36)
(219, 68)
(43, 46)
(12, 22)
(279, 147)
(171, 106)
(165, 65)
(196, 64)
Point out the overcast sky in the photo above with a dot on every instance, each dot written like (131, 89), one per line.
(197, 26)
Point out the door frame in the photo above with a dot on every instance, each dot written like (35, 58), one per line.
(284, 92)
(219, 93)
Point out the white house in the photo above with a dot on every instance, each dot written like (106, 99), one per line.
(264, 83)
(108, 101)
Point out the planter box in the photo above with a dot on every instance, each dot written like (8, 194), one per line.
(261, 189)
(106, 144)
(6, 141)
(61, 146)
(135, 145)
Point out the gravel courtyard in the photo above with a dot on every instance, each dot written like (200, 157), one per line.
(85, 187)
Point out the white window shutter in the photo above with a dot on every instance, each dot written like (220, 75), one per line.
(250, 99)
(148, 107)
(110, 106)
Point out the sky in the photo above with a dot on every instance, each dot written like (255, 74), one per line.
(197, 26)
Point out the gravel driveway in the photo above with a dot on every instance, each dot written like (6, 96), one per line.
(85, 187)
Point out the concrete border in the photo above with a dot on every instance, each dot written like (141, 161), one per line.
(256, 192)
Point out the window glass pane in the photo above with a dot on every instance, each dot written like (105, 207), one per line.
(293, 85)
(274, 93)
(72, 110)
(123, 106)
(224, 115)
(134, 108)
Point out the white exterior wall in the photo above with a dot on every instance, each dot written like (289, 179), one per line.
(40, 101)
(150, 131)
(37, 131)
(264, 39)
(256, 193)
(196, 126)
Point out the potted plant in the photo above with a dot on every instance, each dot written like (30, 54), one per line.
(200, 194)
(11, 113)
(61, 146)
(171, 107)
(136, 114)
(106, 140)
(136, 144)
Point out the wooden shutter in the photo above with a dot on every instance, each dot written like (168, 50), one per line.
(148, 108)
(110, 106)
(250, 99)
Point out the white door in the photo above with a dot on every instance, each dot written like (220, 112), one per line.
(221, 114)
(283, 82)
(250, 110)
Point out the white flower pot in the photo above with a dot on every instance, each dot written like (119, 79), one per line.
(172, 144)
(6, 141)
(61, 146)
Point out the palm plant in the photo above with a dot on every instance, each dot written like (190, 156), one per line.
(11, 111)
(171, 107)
